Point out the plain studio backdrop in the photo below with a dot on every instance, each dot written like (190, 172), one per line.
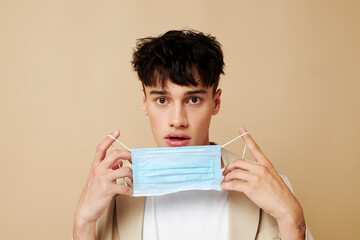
(292, 79)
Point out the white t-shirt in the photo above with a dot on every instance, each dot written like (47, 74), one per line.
(196, 214)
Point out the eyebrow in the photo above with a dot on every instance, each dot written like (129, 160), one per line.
(164, 92)
(158, 92)
(202, 91)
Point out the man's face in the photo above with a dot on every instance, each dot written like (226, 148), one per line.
(180, 115)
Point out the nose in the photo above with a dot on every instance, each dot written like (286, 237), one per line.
(178, 118)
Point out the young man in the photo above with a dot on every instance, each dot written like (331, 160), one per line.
(180, 72)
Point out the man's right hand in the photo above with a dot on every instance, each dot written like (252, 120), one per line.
(101, 187)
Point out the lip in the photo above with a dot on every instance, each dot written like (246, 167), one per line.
(177, 142)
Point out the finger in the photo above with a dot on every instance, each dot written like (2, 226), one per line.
(114, 157)
(123, 189)
(239, 164)
(238, 175)
(103, 146)
(253, 147)
(121, 173)
(117, 165)
(234, 186)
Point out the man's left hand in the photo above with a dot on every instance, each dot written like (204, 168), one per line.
(261, 183)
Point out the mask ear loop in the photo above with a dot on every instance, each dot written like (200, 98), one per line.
(124, 147)
(236, 139)
(120, 142)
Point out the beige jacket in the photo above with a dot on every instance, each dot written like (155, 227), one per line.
(123, 220)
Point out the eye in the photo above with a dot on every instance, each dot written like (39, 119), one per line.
(161, 101)
(194, 100)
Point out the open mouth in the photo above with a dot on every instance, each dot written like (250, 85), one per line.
(177, 139)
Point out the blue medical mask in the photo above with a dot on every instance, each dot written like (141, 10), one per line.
(159, 171)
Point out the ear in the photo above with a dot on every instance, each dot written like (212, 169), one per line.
(217, 102)
(143, 101)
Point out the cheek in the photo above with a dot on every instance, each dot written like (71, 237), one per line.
(201, 119)
(157, 121)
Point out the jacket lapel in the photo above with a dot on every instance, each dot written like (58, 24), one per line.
(129, 216)
(244, 215)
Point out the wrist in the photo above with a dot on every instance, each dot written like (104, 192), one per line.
(84, 229)
(292, 231)
(292, 224)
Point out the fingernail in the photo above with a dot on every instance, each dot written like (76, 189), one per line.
(242, 130)
(115, 133)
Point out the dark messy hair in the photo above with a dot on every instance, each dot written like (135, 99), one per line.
(178, 56)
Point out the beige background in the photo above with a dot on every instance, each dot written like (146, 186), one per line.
(292, 78)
